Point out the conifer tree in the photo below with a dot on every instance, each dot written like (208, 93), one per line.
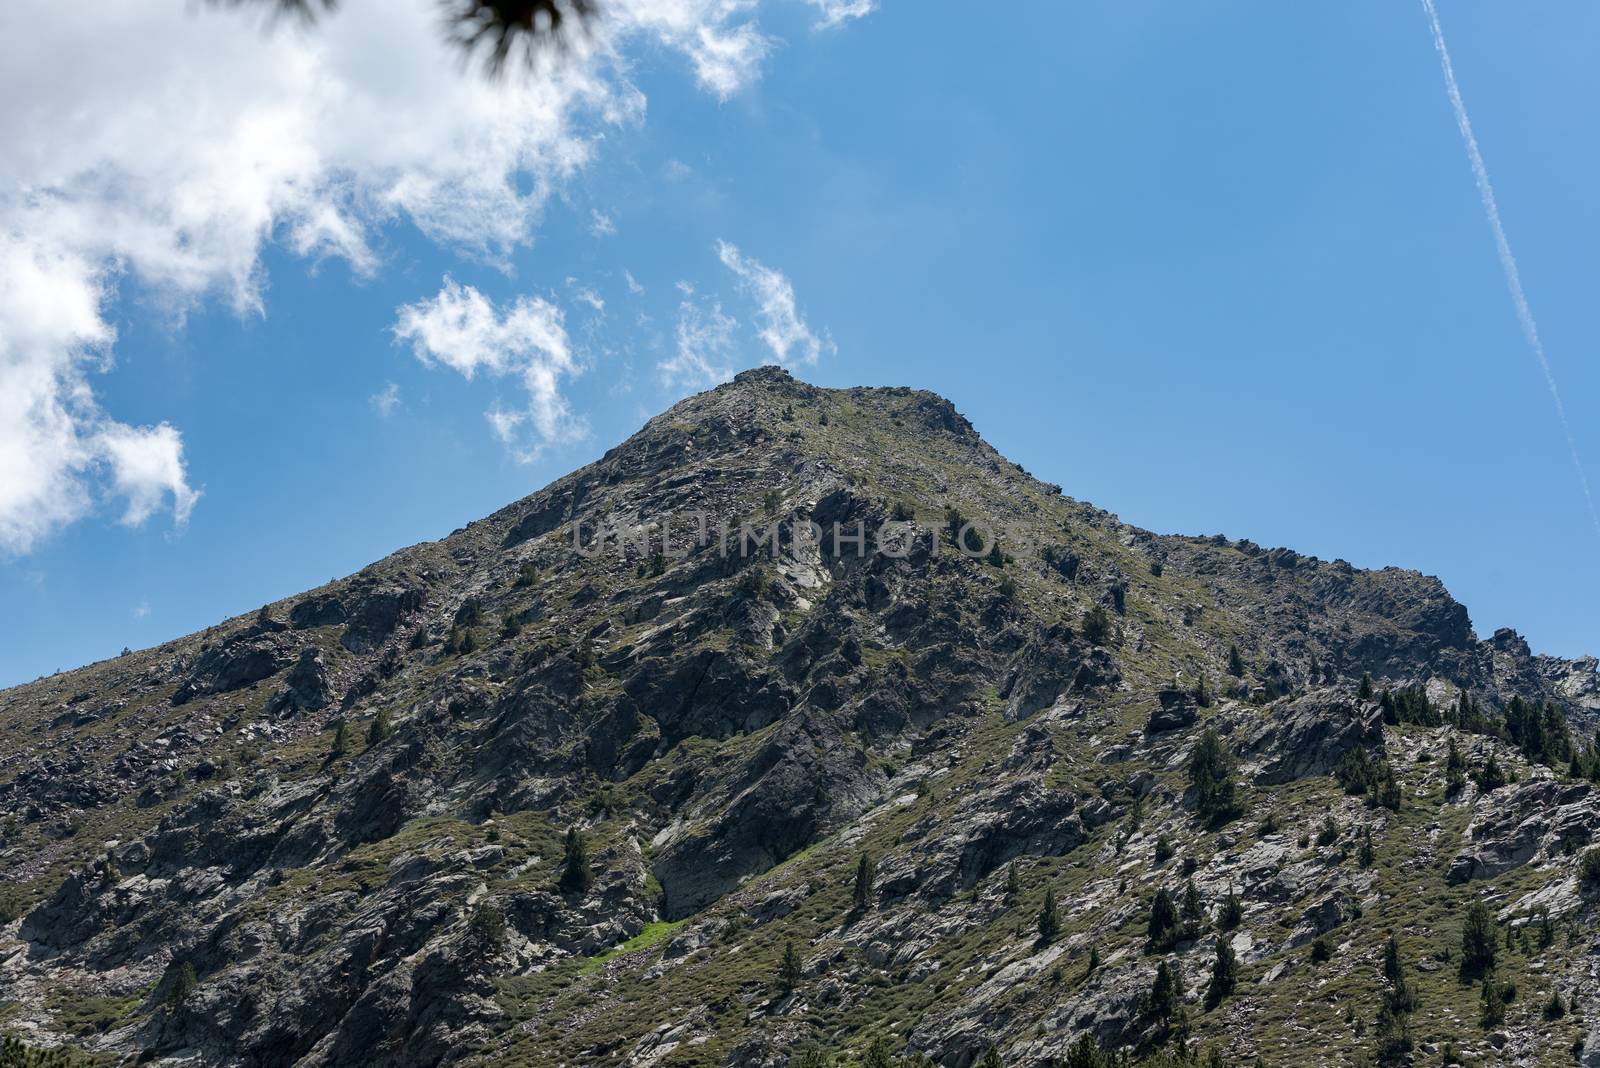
(341, 739)
(1391, 960)
(1049, 921)
(1493, 1002)
(380, 728)
(1163, 919)
(1231, 912)
(184, 982)
(1193, 912)
(862, 894)
(790, 971)
(1235, 662)
(877, 1055)
(1013, 883)
(576, 878)
(1490, 776)
(1477, 941)
(1455, 768)
(1211, 774)
(1166, 992)
(1364, 692)
(1224, 974)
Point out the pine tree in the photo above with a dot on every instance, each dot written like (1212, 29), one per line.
(1231, 912)
(877, 1055)
(1049, 921)
(862, 895)
(184, 982)
(1096, 625)
(1013, 883)
(341, 739)
(488, 927)
(790, 971)
(1235, 662)
(1364, 853)
(1477, 941)
(576, 878)
(1455, 768)
(1211, 774)
(1493, 1001)
(1391, 961)
(1392, 1036)
(1163, 920)
(991, 1059)
(1166, 992)
(1193, 912)
(1364, 691)
(1224, 974)
(1085, 1053)
(380, 728)
(1490, 777)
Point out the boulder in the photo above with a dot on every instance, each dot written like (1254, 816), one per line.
(1176, 709)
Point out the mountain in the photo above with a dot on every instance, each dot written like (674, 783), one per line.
(520, 798)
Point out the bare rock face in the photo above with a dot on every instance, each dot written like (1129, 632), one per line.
(1306, 736)
(306, 687)
(232, 666)
(1055, 666)
(1516, 825)
(376, 614)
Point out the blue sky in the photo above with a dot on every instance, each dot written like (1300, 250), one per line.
(1220, 270)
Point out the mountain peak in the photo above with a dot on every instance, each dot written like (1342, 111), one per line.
(577, 775)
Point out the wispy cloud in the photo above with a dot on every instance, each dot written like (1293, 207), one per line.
(601, 225)
(463, 330)
(141, 610)
(833, 13)
(781, 327)
(633, 284)
(386, 401)
(703, 353)
(1508, 262)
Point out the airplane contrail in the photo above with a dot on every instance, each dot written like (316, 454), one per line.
(1508, 262)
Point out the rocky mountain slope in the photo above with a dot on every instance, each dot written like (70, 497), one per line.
(514, 799)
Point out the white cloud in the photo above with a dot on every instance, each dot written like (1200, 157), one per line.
(386, 401)
(833, 13)
(145, 466)
(781, 327)
(601, 225)
(725, 48)
(633, 284)
(704, 346)
(463, 330)
(141, 610)
(589, 297)
(169, 143)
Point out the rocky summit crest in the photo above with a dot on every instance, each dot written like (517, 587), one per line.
(804, 726)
